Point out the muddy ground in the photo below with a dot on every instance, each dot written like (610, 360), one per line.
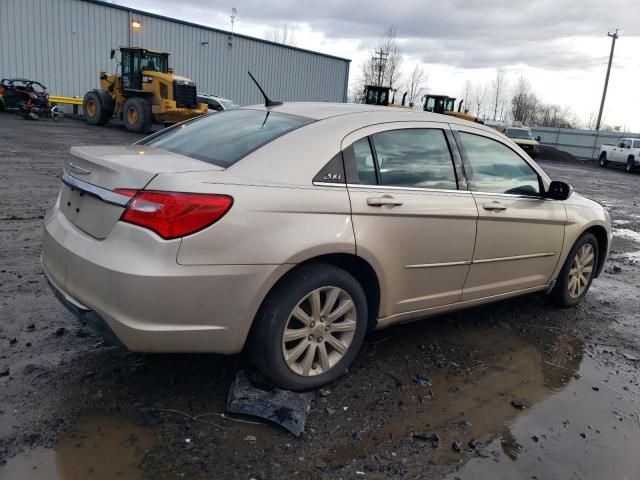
(518, 389)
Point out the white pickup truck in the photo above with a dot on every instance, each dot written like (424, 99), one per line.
(626, 151)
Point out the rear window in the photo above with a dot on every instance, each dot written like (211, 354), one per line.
(226, 137)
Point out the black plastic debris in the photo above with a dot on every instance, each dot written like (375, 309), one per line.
(252, 395)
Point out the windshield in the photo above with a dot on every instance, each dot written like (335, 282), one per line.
(150, 61)
(226, 137)
(519, 133)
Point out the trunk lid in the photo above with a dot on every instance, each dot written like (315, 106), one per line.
(94, 210)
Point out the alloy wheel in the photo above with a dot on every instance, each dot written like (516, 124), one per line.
(319, 331)
(581, 270)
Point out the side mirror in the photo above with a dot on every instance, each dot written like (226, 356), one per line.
(538, 138)
(558, 190)
(113, 53)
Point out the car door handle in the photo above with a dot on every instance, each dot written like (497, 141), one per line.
(384, 200)
(497, 206)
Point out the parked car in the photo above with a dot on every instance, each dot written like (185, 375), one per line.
(626, 152)
(523, 137)
(217, 104)
(27, 97)
(293, 230)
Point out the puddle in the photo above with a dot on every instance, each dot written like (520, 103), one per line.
(503, 366)
(578, 432)
(626, 233)
(97, 447)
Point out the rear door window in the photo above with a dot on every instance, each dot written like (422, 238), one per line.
(636, 144)
(416, 157)
(228, 136)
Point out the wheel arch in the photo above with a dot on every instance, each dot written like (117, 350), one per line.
(359, 268)
(600, 233)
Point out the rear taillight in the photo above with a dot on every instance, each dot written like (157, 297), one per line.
(173, 214)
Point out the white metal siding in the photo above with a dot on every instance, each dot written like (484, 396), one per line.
(66, 43)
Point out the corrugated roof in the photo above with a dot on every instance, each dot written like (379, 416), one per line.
(197, 25)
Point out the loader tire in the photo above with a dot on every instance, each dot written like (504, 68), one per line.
(137, 115)
(95, 112)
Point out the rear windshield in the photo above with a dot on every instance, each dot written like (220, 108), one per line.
(226, 137)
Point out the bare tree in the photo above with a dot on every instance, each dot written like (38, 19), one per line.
(591, 121)
(370, 73)
(283, 33)
(523, 101)
(415, 84)
(392, 70)
(479, 95)
(498, 91)
(555, 116)
(467, 93)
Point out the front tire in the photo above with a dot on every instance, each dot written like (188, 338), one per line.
(310, 327)
(603, 160)
(137, 115)
(631, 165)
(577, 272)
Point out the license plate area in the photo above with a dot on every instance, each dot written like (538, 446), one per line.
(88, 213)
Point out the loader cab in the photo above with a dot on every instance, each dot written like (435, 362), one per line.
(136, 60)
(375, 95)
(439, 103)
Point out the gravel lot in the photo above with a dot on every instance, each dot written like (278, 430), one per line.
(518, 389)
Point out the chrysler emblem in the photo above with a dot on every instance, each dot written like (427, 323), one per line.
(76, 169)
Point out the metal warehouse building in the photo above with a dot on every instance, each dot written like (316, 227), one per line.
(66, 43)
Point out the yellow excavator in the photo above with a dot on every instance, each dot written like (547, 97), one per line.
(146, 91)
(446, 105)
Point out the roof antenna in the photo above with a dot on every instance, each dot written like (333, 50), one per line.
(267, 101)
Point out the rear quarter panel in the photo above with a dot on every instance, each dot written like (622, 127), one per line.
(267, 224)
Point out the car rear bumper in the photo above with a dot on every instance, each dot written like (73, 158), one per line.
(86, 315)
(130, 289)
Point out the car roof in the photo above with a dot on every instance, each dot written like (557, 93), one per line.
(374, 113)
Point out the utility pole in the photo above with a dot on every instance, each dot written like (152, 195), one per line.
(614, 37)
(381, 63)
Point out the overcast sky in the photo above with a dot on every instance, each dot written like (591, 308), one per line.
(561, 46)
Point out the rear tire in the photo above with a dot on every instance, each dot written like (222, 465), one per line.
(319, 348)
(94, 111)
(137, 115)
(577, 273)
(603, 160)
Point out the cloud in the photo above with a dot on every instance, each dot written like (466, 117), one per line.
(462, 33)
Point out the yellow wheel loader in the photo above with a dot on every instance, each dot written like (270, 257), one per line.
(146, 91)
(377, 95)
(446, 105)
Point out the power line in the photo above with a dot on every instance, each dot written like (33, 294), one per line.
(381, 64)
